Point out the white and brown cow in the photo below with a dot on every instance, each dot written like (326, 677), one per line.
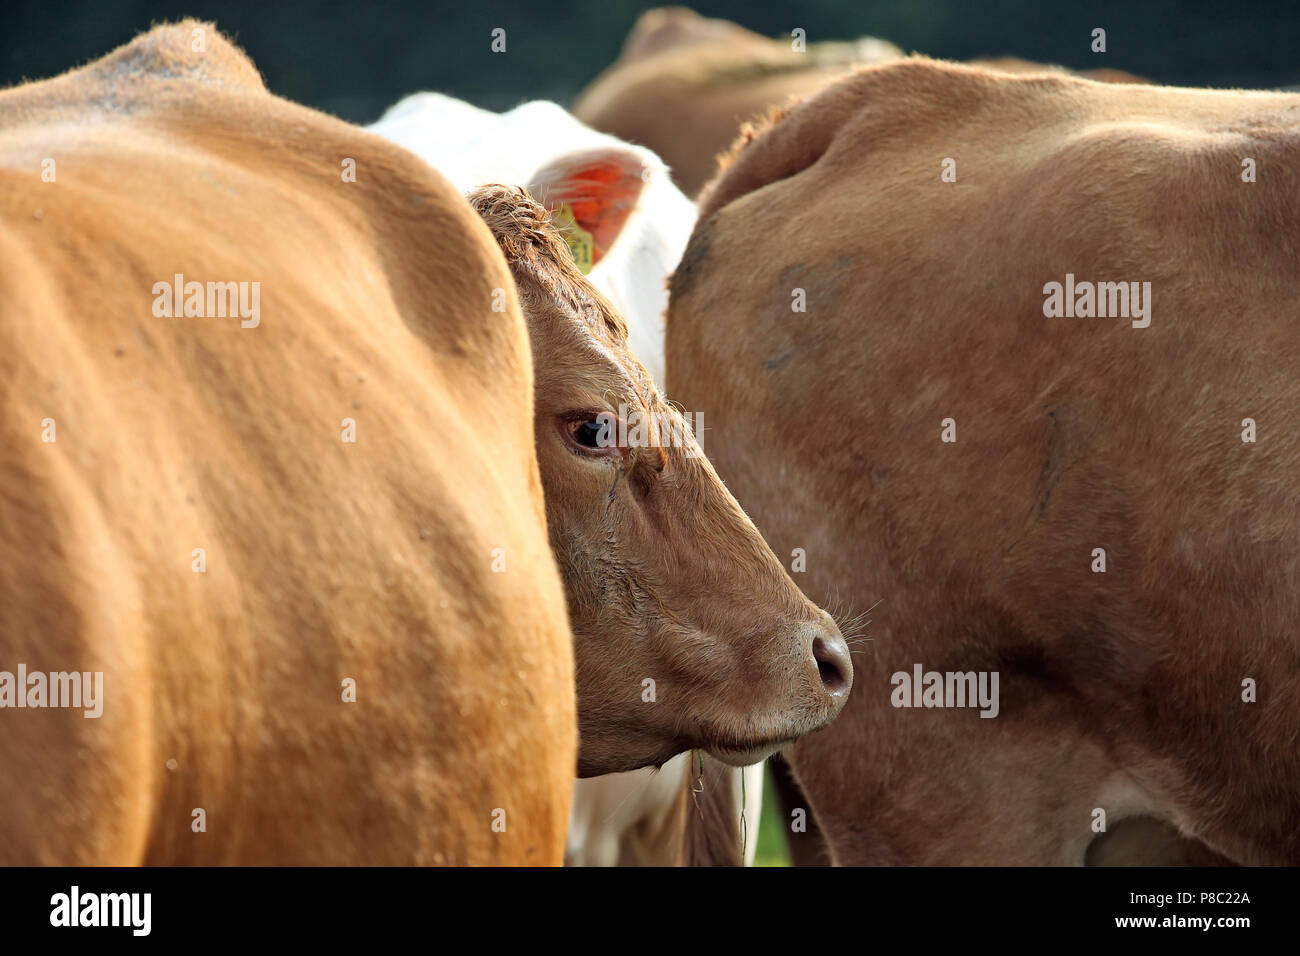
(1040, 408)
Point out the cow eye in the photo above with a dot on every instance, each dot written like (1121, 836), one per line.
(588, 433)
(591, 432)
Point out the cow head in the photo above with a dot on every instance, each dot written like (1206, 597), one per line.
(688, 632)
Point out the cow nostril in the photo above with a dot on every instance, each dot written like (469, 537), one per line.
(833, 663)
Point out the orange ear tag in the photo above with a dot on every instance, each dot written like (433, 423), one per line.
(581, 244)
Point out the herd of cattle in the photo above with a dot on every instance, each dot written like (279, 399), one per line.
(305, 456)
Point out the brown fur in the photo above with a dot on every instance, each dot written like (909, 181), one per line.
(751, 130)
(666, 28)
(924, 300)
(665, 576)
(325, 560)
(1013, 64)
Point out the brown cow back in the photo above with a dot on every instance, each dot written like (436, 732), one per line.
(324, 560)
(1121, 690)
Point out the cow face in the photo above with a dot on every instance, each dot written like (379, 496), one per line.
(688, 632)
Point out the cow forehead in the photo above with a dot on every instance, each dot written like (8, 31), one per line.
(598, 377)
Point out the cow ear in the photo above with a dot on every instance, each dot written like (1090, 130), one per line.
(594, 189)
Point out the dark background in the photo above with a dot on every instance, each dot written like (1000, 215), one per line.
(356, 58)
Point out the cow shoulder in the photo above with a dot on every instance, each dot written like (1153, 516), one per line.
(870, 106)
(171, 59)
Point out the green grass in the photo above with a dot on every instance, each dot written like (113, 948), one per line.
(771, 849)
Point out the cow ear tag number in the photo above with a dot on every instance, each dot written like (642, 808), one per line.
(581, 244)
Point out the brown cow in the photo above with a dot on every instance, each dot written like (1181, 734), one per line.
(407, 562)
(689, 633)
(306, 655)
(1079, 505)
(684, 84)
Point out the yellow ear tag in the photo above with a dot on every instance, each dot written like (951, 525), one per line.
(581, 244)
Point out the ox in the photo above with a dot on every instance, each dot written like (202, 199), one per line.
(1081, 505)
(274, 538)
(634, 817)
